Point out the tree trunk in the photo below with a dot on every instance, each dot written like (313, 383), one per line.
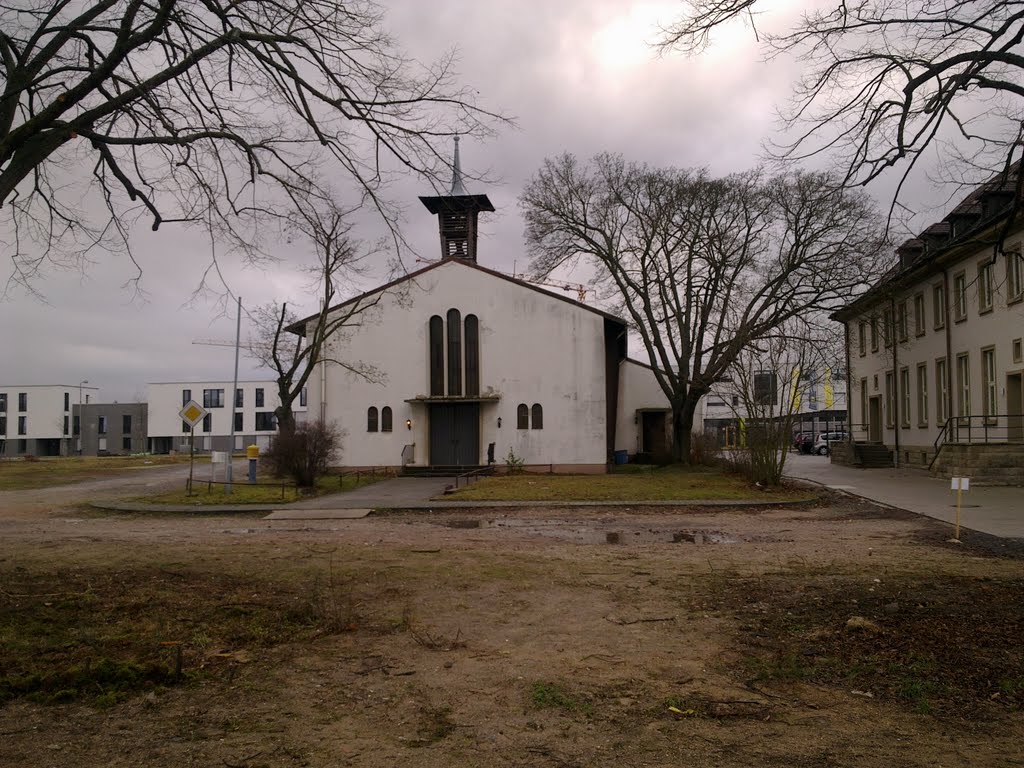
(682, 429)
(285, 419)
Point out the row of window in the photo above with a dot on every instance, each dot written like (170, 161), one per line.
(889, 327)
(529, 418)
(266, 421)
(384, 422)
(447, 335)
(22, 425)
(961, 383)
(214, 398)
(22, 402)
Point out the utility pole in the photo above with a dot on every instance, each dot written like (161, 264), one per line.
(234, 403)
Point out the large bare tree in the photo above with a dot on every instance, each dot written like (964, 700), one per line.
(883, 83)
(183, 110)
(702, 266)
(293, 353)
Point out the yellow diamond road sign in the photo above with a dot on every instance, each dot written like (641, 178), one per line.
(192, 413)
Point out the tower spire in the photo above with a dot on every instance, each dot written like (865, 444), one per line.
(457, 215)
(458, 188)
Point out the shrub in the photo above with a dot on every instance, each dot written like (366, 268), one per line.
(305, 453)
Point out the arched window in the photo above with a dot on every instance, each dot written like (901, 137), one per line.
(472, 356)
(454, 352)
(523, 416)
(371, 419)
(537, 420)
(436, 355)
(385, 419)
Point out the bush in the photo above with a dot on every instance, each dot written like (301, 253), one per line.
(705, 449)
(305, 453)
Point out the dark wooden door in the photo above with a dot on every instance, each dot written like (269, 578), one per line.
(654, 433)
(455, 434)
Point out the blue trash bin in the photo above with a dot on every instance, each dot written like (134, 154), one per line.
(622, 457)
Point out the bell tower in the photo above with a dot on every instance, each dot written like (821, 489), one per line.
(457, 215)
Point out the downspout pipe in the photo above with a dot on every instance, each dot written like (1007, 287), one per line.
(897, 399)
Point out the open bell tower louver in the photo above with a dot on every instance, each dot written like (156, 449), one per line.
(457, 215)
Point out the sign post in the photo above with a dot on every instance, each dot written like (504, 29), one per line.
(959, 484)
(192, 413)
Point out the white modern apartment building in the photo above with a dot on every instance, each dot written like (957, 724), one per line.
(36, 419)
(254, 403)
(935, 355)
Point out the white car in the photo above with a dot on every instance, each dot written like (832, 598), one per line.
(821, 443)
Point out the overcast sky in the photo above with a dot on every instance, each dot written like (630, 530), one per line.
(577, 75)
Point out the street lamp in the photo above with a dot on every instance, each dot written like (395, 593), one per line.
(81, 420)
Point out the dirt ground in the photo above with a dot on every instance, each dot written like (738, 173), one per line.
(839, 634)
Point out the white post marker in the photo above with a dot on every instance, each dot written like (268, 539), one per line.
(959, 484)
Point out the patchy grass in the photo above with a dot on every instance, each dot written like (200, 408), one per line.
(546, 695)
(101, 635)
(264, 492)
(662, 484)
(931, 644)
(26, 474)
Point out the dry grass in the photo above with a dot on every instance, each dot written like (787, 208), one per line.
(664, 484)
(264, 492)
(26, 474)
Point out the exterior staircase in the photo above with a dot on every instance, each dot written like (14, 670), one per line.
(872, 455)
(991, 464)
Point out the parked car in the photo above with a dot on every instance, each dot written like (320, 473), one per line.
(799, 438)
(821, 444)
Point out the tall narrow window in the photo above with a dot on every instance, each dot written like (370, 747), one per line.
(126, 423)
(890, 400)
(959, 296)
(523, 416)
(941, 392)
(862, 333)
(208, 422)
(67, 401)
(385, 419)
(901, 321)
(259, 397)
(102, 425)
(472, 356)
(864, 402)
(985, 287)
(939, 306)
(1014, 276)
(919, 320)
(239, 398)
(988, 384)
(874, 334)
(22, 425)
(66, 424)
(3, 402)
(23, 401)
(537, 417)
(454, 352)
(186, 395)
(887, 328)
(905, 397)
(922, 395)
(963, 385)
(766, 388)
(436, 354)
(239, 421)
(371, 419)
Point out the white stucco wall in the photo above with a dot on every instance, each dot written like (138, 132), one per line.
(534, 348)
(44, 416)
(638, 390)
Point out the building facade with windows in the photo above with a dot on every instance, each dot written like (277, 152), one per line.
(37, 419)
(110, 429)
(935, 348)
(251, 408)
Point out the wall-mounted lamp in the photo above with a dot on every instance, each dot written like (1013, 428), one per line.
(408, 423)
(499, 422)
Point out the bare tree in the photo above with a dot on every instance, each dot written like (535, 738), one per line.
(702, 267)
(292, 350)
(883, 83)
(189, 110)
(772, 378)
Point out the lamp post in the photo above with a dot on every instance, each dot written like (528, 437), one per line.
(81, 419)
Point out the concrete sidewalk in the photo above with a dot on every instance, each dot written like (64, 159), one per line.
(995, 510)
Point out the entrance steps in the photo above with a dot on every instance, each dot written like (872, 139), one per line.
(439, 470)
(872, 455)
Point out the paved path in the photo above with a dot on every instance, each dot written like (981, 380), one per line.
(995, 510)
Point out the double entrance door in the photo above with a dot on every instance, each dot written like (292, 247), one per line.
(455, 434)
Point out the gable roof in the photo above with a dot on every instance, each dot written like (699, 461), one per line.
(298, 327)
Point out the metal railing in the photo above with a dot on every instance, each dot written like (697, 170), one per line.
(979, 429)
(359, 474)
(408, 454)
(473, 474)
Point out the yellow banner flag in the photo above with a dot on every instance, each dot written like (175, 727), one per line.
(830, 392)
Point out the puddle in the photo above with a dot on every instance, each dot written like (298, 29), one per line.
(610, 533)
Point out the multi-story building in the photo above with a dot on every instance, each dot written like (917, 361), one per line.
(934, 349)
(36, 419)
(253, 413)
(110, 428)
